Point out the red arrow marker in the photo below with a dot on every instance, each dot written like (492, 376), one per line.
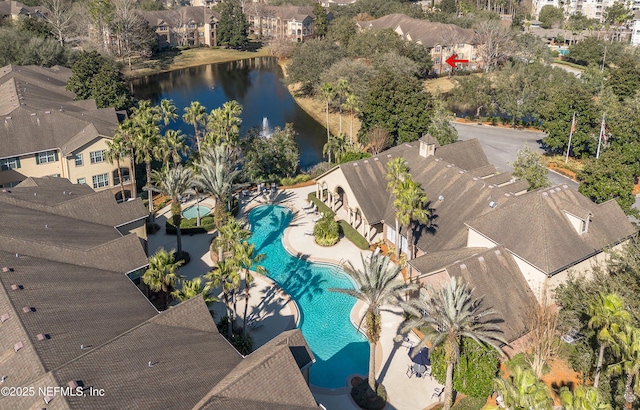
(452, 60)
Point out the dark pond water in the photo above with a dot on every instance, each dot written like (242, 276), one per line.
(255, 83)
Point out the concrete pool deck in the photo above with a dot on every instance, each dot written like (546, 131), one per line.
(279, 313)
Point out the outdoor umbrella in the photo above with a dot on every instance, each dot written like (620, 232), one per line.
(421, 357)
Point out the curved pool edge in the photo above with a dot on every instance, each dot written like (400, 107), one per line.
(353, 314)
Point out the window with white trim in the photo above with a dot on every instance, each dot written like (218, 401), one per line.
(391, 234)
(9, 163)
(101, 180)
(82, 181)
(78, 158)
(46, 157)
(97, 156)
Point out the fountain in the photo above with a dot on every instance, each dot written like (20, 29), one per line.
(265, 132)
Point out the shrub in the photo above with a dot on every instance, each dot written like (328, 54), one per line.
(360, 395)
(295, 180)
(320, 169)
(354, 236)
(188, 225)
(243, 344)
(152, 228)
(326, 230)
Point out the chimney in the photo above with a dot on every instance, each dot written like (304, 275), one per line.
(427, 146)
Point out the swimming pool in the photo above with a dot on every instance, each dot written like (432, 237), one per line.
(340, 350)
(192, 212)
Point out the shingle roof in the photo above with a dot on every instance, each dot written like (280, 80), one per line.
(39, 114)
(463, 195)
(287, 12)
(439, 260)
(180, 16)
(425, 32)
(498, 281)
(552, 243)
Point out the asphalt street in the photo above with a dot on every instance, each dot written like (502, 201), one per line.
(502, 145)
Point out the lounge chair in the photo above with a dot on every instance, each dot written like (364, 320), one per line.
(437, 392)
(309, 205)
(310, 233)
(319, 217)
(312, 210)
(408, 343)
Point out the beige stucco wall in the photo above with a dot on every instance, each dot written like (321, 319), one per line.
(336, 179)
(66, 167)
(476, 240)
(534, 276)
(29, 168)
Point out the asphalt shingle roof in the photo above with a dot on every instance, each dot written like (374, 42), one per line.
(552, 243)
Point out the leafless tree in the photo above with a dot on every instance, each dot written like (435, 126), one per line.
(281, 47)
(379, 139)
(60, 17)
(134, 36)
(493, 42)
(543, 343)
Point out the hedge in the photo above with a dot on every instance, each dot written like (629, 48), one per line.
(318, 203)
(470, 403)
(354, 236)
(188, 226)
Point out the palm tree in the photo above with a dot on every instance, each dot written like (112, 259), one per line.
(192, 288)
(116, 150)
(223, 275)
(377, 285)
(174, 183)
(342, 88)
(326, 91)
(629, 342)
(447, 315)
(217, 171)
(231, 121)
(161, 275)
(126, 132)
(410, 202)
(523, 391)
(337, 145)
(397, 171)
(230, 234)
(167, 111)
(351, 103)
(248, 259)
(146, 133)
(607, 314)
(195, 114)
(172, 146)
(582, 398)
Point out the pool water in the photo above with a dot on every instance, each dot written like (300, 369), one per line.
(192, 211)
(340, 350)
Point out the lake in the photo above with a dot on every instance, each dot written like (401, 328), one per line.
(255, 83)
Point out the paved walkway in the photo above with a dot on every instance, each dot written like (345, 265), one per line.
(279, 313)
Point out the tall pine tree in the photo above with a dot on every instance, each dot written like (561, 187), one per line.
(232, 29)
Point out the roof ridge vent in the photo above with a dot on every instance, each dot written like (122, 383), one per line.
(545, 194)
(355, 164)
(16, 287)
(375, 158)
(463, 266)
(492, 204)
(497, 252)
(18, 346)
(481, 259)
(388, 155)
(366, 161)
(33, 114)
(4, 317)
(6, 269)
(27, 309)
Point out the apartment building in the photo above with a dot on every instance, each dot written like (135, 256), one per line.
(443, 40)
(45, 132)
(185, 26)
(281, 22)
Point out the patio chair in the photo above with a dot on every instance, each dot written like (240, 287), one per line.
(410, 371)
(437, 392)
(309, 205)
(312, 210)
(408, 343)
(319, 217)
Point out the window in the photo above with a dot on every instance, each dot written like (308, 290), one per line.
(78, 159)
(45, 157)
(438, 49)
(97, 156)
(82, 181)
(192, 25)
(391, 235)
(54, 175)
(473, 57)
(163, 28)
(436, 60)
(9, 163)
(100, 181)
(125, 176)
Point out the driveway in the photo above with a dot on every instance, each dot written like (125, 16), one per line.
(502, 145)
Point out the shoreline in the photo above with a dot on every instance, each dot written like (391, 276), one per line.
(179, 59)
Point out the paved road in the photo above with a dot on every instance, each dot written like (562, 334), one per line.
(502, 145)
